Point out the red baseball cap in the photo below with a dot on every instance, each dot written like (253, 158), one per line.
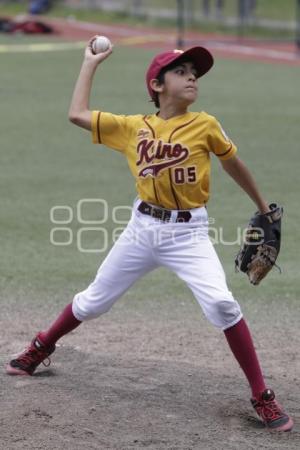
(200, 56)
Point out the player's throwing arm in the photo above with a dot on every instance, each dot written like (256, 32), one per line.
(99, 48)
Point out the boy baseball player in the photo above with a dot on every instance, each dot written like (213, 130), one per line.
(169, 155)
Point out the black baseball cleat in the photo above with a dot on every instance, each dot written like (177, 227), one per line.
(271, 413)
(30, 358)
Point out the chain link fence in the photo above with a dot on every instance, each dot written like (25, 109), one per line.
(273, 14)
(266, 18)
(275, 19)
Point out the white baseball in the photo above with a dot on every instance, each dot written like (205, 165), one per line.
(101, 44)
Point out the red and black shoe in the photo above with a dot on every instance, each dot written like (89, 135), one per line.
(27, 361)
(271, 413)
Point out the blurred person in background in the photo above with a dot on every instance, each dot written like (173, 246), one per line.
(39, 6)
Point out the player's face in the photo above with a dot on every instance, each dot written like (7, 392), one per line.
(181, 83)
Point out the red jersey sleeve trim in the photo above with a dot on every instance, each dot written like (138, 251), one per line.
(98, 128)
(226, 152)
(96, 135)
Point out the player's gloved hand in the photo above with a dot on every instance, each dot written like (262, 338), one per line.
(261, 247)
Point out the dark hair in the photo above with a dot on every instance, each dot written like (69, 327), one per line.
(161, 77)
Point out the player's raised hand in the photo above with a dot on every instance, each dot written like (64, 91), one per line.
(97, 58)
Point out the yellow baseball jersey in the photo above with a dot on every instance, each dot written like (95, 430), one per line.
(169, 159)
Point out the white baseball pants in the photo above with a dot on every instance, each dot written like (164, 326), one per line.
(148, 243)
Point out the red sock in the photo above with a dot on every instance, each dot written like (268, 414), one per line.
(65, 323)
(241, 344)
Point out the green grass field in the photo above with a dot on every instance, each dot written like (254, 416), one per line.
(46, 161)
(153, 373)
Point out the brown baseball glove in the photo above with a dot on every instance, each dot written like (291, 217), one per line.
(261, 246)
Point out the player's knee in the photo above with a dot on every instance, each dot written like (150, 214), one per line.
(85, 308)
(226, 313)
